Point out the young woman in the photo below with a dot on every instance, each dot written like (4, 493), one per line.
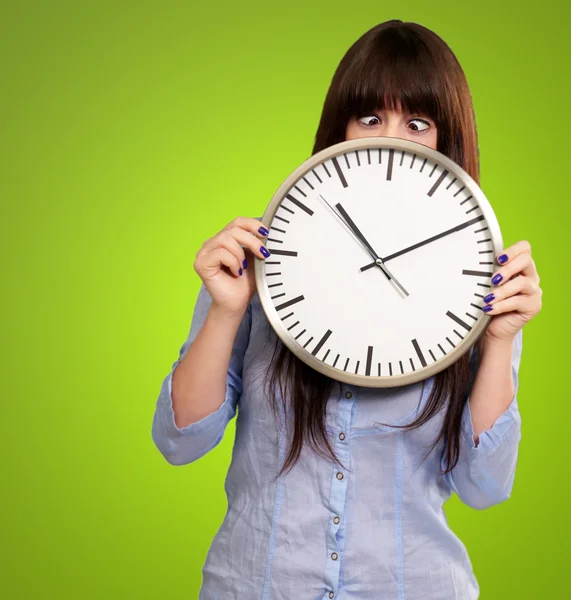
(323, 501)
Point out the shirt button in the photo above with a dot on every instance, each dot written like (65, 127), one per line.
(339, 475)
(336, 520)
(331, 594)
(334, 556)
(348, 395)
(341, 436)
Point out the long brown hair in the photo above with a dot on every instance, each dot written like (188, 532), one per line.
(393, 65)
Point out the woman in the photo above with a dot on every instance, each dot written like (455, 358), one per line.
(323, 502)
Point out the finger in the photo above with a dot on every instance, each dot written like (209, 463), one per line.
(521, 303)
(511, 252)
(211, 262)
(248, 240)
(254, 226)
(520, 264)
(518, 285)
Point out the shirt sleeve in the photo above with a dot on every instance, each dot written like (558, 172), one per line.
(181, 446)
(485, 472)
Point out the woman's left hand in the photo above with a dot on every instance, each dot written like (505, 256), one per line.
(516, 296)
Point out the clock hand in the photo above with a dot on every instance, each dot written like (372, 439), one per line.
(427, 241)
(354, 230)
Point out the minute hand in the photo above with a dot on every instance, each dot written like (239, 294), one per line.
(427, 241)
(378, 260)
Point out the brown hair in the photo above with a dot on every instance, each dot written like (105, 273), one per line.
(393, 65)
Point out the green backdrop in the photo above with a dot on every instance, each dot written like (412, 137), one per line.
(131, 132)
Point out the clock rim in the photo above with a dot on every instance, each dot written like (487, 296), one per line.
(303, 354)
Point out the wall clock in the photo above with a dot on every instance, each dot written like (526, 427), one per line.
(381, 252)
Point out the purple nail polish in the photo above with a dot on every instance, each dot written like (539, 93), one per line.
(496, 279)
(487, 308)
(503, 258)
(489, 298)
(240, 271)
(263, 231)
(245, 264)
(264, 251)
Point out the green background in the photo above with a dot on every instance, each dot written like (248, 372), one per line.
(131, 132)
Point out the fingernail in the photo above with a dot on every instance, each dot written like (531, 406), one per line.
(264, 251)
(240, 271)
(487, 308)
(503, 258)
(245, 263)
(263, 231)
(496, 279)
(489, 298)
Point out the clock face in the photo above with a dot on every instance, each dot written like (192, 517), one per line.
(382, 250)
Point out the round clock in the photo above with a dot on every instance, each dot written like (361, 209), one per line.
(381, 252)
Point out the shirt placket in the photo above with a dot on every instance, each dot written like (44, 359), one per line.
(338, 495)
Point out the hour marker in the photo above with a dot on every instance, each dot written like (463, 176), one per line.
(357, 155)
(419, 353)
(471, 316)
(339, 172)
(438, 182)
(275, 285)
(369, 155)
(326, 354)
(462, 188)
(475, 305)
(390, 368)
(401, 367)
(472, 209)
(347, 161)
(283, 252)
(484, 241)
(346, 364)
(390, 165)
(274, 240)
(292, 326)
(321, 342)
(369, 360)
(300, 334)
(432, 354)
(442, 349)
(433, 169)
(300, 204)
(458, 320)
(326, 169)
(478, 230)
(476, 273)
(412, 364)
(282, 219)
(278, 229)
(273, 274)
(290, 302)
(423, 164)
(458, 334)
(357, 368)
(401, 158)
(336, 359)
(287, 316)
(465, 200)
(450, 184)
(278, 296)
(412, 161)
(451, 342)
(379, 369)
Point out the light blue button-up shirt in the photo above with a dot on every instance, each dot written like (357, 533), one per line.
(375, 530)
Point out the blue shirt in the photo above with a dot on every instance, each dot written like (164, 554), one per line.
(376, 531)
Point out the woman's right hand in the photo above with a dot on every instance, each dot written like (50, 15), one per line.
(225, 263)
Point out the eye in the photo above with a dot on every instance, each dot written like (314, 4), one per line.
(368, 118)
(421, 121)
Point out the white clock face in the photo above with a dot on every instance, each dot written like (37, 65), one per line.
(383, 322)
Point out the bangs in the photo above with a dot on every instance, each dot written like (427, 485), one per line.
(393, 73)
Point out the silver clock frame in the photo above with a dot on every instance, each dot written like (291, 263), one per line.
(264, 294)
